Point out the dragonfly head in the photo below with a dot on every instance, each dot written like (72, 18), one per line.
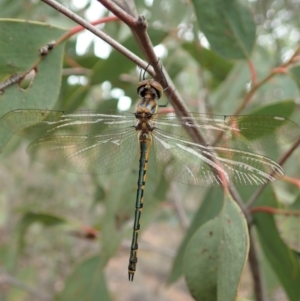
(150, 87)
(149, 91)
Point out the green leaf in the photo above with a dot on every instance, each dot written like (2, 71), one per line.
(228, 26)
(87, 282)
(210, 207)
(216, 255)
(30, 218)
(20, 42)
(283, 260)
(283, 108)
(218, 66)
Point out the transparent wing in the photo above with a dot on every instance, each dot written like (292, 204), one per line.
(34, 124)
(243, 132)
(102, 154)
(87, 142)
(83, 142)
(194, 164)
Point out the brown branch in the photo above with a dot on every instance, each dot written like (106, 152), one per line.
(119, 12)
(255, 270)
(76, 18)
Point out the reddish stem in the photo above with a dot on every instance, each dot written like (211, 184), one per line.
(252, 72)
(272, 210)
(79, 28)
(291, 180)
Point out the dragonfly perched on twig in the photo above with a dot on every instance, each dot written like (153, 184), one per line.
(103, 143)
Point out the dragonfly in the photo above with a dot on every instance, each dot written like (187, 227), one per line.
(109, 142)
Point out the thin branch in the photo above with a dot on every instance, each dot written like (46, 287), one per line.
(255, 270)
(130, 55)
(289, 152)
(119, 12)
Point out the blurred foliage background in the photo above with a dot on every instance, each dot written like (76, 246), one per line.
(53, 224)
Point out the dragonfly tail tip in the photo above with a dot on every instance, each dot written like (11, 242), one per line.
(130, 276)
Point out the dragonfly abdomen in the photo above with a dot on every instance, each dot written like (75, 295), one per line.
(145, 144)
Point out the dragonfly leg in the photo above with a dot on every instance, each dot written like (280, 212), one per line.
(144, 145)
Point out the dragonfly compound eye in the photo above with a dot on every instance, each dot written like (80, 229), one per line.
(149, 86)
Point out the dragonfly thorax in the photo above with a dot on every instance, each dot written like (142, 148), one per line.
(144, 117)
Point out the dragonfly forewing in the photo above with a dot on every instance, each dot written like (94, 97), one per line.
(34, 124)
(246, 132)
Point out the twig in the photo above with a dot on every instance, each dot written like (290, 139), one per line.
(130, 55)
(255, 270)
(139, 29)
